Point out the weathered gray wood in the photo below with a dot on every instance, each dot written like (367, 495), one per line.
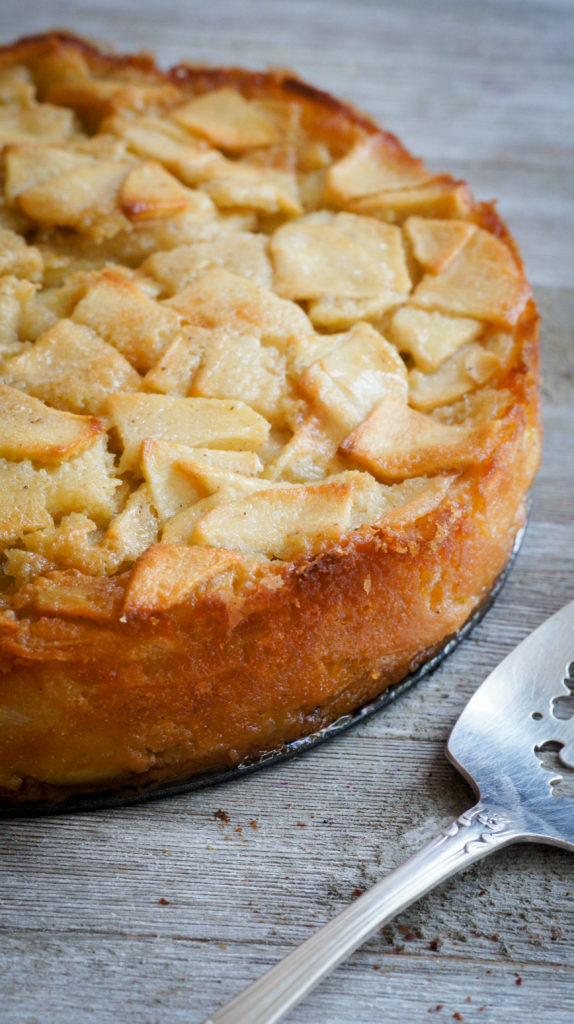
(484, 90)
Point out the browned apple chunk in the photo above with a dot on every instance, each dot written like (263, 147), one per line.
(353, 376)
(430, 338)
(375, 164)
(226, 119)
(71, 368)
(94, 98)
(435, 243)
(440, 197)
(121, 313)
(222, 299)
(201, 422)
(484, 282)
(149, 191)
(167, 574)
(281, 522)
(31, 430)
(240, 252)
(70, 592)
(396, 442)
(22, 500)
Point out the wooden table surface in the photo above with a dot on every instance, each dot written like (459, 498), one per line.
(159, 913)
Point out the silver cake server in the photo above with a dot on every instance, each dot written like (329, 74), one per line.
(514, 743)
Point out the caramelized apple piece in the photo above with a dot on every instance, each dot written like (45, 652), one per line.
(484, 282)
(226, 119)
(205, 422)
(167, 574)
(430, 338)
(40, 122)
(435, 243)
(31, 430)
(268, 189)
(164, 141)
(396, 442)
(466, 370)
(28, 165)
(149, 191)
(375, 164)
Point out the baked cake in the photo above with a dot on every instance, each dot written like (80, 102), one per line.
(268, 414)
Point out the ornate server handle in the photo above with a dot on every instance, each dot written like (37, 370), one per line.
(475, 834)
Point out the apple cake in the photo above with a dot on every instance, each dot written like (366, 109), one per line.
(268, 414)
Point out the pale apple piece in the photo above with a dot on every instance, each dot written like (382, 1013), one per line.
(164, 141)
(71, 368)
(309, 455)
(470, 367)
(350, 379)
(435, 243)
(396, 442)
(484, 282)
(342, 255)
(175, 368)
(124, 316)
(267, 189)
(374, 164)
(430, 338)
(227, 120)
(170, 487)
(17, 85)
(19, 259)
(175, 472)
(201, 422)
(239, 366)
(31, 430)
(133, 530)
(222, 299)
(85, 199)
(240, 252)
(407, 501)
(149, 191)
(167, 574)
(281, 522)
(86, 483)
(40, 122)
(441, 197)
(22, 500)
(29, 165)
(223, 487)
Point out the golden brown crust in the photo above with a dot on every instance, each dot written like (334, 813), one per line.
(95, 693)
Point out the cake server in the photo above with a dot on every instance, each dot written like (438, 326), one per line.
(514, 743)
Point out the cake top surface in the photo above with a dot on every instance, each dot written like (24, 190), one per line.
(237, 321)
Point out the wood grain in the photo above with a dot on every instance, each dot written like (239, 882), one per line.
(162, 912)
